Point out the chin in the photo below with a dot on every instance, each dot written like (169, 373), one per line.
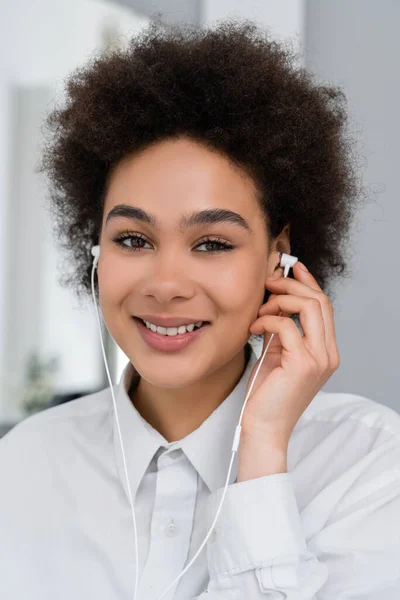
(168, 378)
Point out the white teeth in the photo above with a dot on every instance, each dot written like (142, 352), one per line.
(173, 330)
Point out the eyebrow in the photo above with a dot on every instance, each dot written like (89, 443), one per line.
(208, 216)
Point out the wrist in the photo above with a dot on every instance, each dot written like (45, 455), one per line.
(261, 457)
(258, 435)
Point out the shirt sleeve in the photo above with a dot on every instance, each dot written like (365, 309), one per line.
(345, 544)
(258, 550)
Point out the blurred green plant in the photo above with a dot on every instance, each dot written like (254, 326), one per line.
(38, 388)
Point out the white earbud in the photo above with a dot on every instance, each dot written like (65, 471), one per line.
(287, 262)
(96, 253)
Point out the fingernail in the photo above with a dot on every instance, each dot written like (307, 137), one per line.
(303, 266)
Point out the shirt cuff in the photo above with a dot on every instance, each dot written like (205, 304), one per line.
(259, 525)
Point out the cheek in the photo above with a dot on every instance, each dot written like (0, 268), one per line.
(239, 290)
(114, 285)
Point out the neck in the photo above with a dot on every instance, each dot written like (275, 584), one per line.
(175, 413)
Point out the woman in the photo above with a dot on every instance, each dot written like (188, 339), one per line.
(194, 159)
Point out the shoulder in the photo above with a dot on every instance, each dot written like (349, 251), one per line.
(345, 447)
(341, 407)
(46, 457)
(45, 461)
(347, 427)
(51, 427)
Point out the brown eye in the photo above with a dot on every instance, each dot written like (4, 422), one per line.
(138, 241)
(218, 246)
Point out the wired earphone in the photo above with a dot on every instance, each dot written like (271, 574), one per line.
(287, 261)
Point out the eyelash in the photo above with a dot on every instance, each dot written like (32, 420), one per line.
(119, 239)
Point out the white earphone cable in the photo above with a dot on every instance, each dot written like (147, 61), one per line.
(288, 261)
(119, 432)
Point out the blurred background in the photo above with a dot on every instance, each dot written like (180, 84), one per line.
(49, 344)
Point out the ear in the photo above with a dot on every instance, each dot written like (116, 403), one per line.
(281, 245)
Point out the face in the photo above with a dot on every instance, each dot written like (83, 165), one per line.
(211, 270)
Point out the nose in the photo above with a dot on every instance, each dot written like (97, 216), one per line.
(170, 278)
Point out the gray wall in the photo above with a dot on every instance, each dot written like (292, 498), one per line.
(356, 45)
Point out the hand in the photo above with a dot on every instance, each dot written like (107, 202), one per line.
(295, 367)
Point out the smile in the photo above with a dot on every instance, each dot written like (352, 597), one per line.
(170, 338)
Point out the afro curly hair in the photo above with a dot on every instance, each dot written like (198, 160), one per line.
(235, 90)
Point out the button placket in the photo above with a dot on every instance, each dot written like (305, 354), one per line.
(171, 525)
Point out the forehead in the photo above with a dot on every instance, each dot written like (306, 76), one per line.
(180, 175)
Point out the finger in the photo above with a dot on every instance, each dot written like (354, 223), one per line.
(289, 335)
(303, 279)
(311, 320)
(327, 313)
(292, 286)
(305, 276)
(280, 313)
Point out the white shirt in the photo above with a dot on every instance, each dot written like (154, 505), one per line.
(328, 529)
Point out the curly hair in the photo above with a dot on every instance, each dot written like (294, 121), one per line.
(231, 88)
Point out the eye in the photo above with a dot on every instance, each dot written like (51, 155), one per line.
(127, 235)
(219, 245)
(137, 240)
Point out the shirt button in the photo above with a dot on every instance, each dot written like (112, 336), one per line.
(171, 529)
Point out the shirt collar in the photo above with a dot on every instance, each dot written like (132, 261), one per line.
(141, 441)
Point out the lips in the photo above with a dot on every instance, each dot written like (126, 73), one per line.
(162, 342)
